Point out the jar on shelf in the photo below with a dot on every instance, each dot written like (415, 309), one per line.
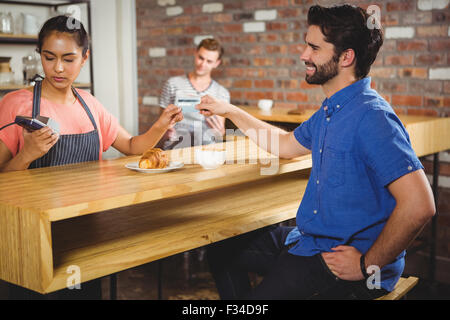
(6, 23)
(30, 67)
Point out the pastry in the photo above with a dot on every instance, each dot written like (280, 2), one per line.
(154, 158)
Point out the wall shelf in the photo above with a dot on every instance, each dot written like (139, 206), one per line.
(18, 38)
(13, 87)
(7, 39)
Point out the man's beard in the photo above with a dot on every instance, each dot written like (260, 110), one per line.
(324, 72)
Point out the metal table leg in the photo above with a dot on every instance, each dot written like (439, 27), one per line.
(113, 286)
(432, 271)
(160, 279)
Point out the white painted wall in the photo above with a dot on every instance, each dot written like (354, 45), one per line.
(114, 61)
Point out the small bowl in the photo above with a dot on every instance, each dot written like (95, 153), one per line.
(265, 104)
(210, 159)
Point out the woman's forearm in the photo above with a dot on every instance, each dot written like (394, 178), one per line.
(19, 162)
(140, 144)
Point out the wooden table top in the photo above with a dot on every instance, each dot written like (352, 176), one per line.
(283, 115)
(278, 114)
(74, 190)
(47, 223)
(108, 184)
(104, 218)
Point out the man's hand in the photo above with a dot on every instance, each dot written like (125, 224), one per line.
(216, 124)
(344, 262)
(210, 106)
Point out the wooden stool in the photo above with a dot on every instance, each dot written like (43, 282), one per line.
(403, 286)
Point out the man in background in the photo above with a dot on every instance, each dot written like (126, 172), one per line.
(196, 129)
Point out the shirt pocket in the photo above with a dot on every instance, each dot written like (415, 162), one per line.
(334, 167)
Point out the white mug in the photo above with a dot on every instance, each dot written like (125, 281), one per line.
(265, 104)
(30, 24)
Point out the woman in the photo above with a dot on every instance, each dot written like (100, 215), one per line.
(86, 128)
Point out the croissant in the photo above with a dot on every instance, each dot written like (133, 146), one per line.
(154, 158)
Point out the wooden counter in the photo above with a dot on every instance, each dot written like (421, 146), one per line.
(278, 114)
(104, 218)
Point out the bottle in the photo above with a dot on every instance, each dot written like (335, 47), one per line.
(29, 68)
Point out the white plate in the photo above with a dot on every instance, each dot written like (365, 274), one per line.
(172, 166)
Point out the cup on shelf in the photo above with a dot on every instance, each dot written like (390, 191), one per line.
(6, 78)
(30, 24)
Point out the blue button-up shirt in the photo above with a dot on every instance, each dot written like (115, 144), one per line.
(358, 147)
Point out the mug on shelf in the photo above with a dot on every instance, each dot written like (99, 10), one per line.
(30, 24)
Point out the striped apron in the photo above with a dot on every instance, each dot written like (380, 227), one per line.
(70, 148)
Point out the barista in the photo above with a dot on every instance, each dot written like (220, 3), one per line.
(86, 128)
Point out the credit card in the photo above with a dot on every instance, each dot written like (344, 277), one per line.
(187, 103)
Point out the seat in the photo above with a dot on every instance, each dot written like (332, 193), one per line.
(403, 286)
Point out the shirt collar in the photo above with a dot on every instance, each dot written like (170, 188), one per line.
(338, 100)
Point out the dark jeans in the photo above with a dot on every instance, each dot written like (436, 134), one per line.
(285, 276)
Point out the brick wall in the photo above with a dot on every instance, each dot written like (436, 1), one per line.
(263, 40)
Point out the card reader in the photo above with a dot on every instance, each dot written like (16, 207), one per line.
(33, 124)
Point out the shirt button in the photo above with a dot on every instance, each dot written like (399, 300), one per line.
(409, 168)
(338, 106)
(317, 181)
(328, 119)
(315, 211)
(320, 150)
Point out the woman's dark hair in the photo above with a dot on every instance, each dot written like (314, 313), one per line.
(64, 24)
(347, 27)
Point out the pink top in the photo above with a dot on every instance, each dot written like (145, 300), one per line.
(72, 119)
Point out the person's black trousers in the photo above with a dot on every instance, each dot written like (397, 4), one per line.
(285, 276)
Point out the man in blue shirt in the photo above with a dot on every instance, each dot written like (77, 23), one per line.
(367, 197)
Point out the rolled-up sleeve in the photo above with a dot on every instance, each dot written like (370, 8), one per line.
(385, 146)
(304, 133)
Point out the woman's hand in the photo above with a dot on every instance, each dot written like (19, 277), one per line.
(171, 115)
(210, 106)
(38, 143)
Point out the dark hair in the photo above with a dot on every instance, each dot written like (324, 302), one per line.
(346, 27)
(65, 24)
(212, 45)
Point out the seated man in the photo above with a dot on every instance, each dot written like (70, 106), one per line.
(367, 197)
(196, 129)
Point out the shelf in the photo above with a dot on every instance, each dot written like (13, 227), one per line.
(23, 86)
(18, 38)
(49, 3)
(24, 39)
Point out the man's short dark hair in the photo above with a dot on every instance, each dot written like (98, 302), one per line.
(346, 27)
(211, 44)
